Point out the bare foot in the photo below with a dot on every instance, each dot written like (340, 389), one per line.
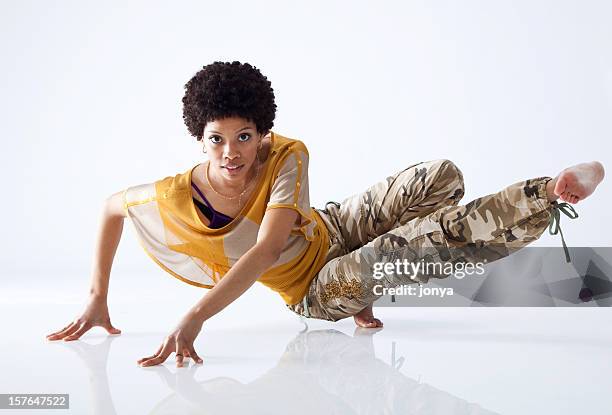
(576, 183)
(365, 318)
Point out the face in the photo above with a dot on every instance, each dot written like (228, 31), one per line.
(231, 144)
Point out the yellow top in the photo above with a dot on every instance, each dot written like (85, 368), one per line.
(171, 232)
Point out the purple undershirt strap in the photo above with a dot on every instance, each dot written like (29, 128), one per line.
(214, 212)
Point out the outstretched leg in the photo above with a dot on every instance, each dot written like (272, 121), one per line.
(488, 228)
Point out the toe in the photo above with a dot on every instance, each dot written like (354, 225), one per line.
(560, 185)
(365, 323)
(565, 196)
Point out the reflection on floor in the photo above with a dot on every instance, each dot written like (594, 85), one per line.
(424, 361)
(321, 371)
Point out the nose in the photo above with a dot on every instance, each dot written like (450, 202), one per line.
(230, 152)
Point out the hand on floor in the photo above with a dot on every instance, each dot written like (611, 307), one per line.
(96, 314)
(179, 341)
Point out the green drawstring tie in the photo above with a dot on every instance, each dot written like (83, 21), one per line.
(555, 222)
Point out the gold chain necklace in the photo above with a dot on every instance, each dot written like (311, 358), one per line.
(243, 191)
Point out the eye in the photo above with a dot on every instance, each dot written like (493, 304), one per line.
(248, 136)
(213, 137)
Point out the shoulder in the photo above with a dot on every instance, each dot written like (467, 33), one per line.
(172, 185)
(285, 145)
(288, 154)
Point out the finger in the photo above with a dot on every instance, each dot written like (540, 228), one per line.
(179, 360)
(378, 322)
(187, 354)
(81, 330)
(155, 361)
(179, 354)
(160, 358)
(111, 329)
(194, 355)
(152, 362)
(60, 331)
(152, 356)
(71, 329)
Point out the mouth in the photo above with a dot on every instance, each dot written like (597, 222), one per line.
(233, 168)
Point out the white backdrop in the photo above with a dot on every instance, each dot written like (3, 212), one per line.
(91, 103)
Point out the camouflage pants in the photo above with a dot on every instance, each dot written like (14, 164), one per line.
(414, 215)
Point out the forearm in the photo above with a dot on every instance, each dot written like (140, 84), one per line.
(236, 281)
(107, 240)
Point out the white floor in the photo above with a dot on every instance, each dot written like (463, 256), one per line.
(259, 360)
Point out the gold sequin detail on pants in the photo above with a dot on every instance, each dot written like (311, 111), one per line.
(337, 289)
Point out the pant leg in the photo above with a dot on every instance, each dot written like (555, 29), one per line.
(415, 191)
(486, 229)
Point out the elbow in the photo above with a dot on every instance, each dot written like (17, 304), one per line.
(274, 256)
(270, 253)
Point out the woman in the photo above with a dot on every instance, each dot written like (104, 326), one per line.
(245, 215)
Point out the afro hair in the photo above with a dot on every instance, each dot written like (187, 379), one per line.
(224, 89)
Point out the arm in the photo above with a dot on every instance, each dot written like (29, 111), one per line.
(109, 235)
(273, 234)
(96, 312)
